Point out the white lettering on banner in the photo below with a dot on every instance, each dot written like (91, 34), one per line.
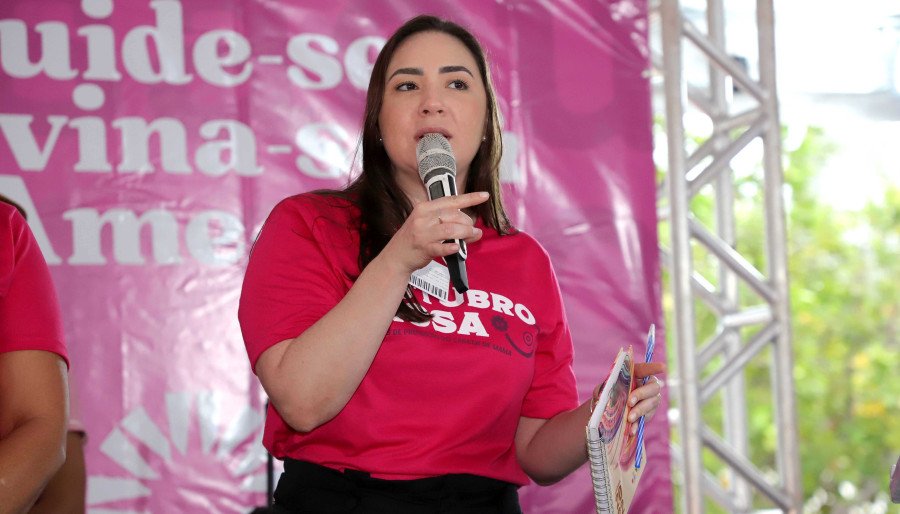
(316, 68)
(87, 225)
(101, 53)
(156, 53)
(510, 173)
(360, 59)
(54, 60)
(91, 144)
(136, 134)
(327, 143)
(235, 152)
(168, 38)
(319, 68)
(211, 66)
(239, 146)
(91, 130)
(17, 131)
(13, 187)
(214, 238)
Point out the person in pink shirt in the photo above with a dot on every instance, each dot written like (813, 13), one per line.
(33, 364)
(384, 397)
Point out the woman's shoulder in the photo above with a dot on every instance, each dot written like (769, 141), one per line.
(523, 244)
(10, 216)
(311, 205)
(14, 233)
(318, 200)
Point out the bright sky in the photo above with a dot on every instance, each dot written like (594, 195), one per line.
(839, 68)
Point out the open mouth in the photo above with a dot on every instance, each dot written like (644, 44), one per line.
(421, 133)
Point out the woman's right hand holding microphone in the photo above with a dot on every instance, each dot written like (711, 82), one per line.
(421, 237)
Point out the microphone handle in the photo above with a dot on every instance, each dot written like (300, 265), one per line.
(440, 185)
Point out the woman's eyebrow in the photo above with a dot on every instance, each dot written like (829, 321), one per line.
(407, 71)
(419, 71)
(452, 69)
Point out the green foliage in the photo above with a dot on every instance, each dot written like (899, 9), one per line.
(845, 298)
(845, 302)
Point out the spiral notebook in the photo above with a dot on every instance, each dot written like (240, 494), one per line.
(611, 447)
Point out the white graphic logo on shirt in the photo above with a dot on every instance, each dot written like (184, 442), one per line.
(498, 311)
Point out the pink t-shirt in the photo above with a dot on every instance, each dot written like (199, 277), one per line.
(29, 308)
(440, 397)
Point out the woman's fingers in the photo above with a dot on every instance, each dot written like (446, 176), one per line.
(431, 224)
(463, 201)
(444, 220)
(645, 400)
(458, 226)
(646, 369)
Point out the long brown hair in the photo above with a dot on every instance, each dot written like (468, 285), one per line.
(383, 205)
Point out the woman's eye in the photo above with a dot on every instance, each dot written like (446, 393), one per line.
(459, 84)
(406, 86)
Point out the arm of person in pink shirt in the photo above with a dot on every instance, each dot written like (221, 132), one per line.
(33, 412)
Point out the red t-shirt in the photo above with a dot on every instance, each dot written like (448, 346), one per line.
(440, 397)
(29, 308)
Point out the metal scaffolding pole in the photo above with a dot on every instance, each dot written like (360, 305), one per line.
(751, 305)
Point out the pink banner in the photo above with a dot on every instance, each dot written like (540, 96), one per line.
(148, 140)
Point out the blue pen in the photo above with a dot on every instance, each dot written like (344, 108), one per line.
(651, 342)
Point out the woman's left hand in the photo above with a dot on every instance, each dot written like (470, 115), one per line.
(645, 399)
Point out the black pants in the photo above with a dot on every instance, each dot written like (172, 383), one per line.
(312, 489)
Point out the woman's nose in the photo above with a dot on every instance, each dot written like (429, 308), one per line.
(431, 103)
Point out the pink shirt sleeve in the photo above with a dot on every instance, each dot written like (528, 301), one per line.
(553, 386)
(290, 282)
(29, 308)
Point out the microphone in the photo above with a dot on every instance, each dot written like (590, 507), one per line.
(437, 169)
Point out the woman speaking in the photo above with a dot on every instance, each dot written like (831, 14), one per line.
(384, 398)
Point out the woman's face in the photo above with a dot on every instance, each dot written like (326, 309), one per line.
(432, 85)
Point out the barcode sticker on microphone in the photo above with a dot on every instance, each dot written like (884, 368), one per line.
(434, 279)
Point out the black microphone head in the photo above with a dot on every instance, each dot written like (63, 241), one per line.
(433, 153)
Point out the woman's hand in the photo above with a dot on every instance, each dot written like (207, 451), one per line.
(645, 399)
(422, 236)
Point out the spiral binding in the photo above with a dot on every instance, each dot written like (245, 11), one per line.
(599, 472)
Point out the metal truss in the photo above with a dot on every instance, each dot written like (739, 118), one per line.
(712, 458)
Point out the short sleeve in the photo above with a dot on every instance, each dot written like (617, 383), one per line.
(290, 282)
(29, 308)
(553, 388)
